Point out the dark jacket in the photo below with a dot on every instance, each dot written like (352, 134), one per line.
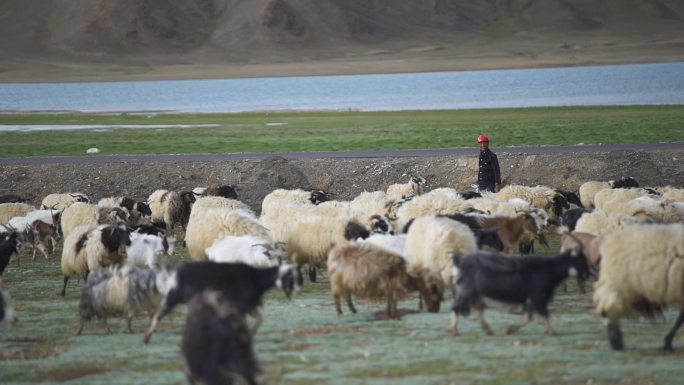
(488, 175)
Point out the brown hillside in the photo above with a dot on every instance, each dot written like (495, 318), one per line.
(47, 38)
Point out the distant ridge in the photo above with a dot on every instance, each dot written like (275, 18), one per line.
(137, 37)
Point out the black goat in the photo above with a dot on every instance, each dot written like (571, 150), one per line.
(216, 344)
(569, 218)
(9, 244)
(571, 197)
(625, 182)
(527, 280)
(241, 284)
(319, 196)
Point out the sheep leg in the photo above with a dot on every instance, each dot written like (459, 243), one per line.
(350, 304)
(80, 328)
(300, 278)
(312, 273)
(129, 321)
(66, 279)
(153, 327)
(391, 306)
(668, 338)
(336, 298)
(106, 326)
(453, 326)
(527, 318)
(615, 334)
(548, 330)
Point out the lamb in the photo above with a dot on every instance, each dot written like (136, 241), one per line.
(431, 240)
(38, 234)
(247, 249)
(125, 291)
(63, 200)
(588, 190)
(137, 210)
(216, 344)
(642, 271)
(171, 207)
(217, 223)
(601, 223)
(88, 248)
(410, 189)
(526, 280)
(11, 210)
(241, 284)
(224, 191)
(363, 269)
(9, 245)
(7, 313)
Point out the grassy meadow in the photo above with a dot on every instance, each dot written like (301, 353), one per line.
(339, 131)
(303, 342)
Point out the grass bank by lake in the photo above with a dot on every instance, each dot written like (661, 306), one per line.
(335, 130)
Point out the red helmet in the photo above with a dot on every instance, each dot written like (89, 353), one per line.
(483, 139)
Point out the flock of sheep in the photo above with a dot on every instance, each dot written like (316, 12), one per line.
(379, 244)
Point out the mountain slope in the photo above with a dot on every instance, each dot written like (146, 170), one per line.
(140, 36)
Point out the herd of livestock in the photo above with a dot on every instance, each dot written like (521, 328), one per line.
(381, 244)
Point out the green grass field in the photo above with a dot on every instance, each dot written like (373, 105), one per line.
(302, 341)
(340, 131)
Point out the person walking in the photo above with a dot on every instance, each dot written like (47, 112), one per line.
(488, 176)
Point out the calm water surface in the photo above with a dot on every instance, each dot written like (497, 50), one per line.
(598, 85)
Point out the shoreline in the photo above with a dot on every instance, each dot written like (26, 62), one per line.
(92, 73)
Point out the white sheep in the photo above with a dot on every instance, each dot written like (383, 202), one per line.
(412, 188)
(61, 201)
(589, 189)
(439, 201)
(202, 204)
(172, 207)
(432, 240)
(125, 291)
(88, 248)
(248, 249)
(217, 223)
(280, 197)
(648, 208)
(541, 197)
(395, 243)
(89, 214)
(601, 223)
(621, 195)
(11, 210)
(673, 194)
(642, 271)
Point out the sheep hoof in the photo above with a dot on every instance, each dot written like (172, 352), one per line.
(146, 339)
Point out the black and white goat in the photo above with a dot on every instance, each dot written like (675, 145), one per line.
(527, 280)
(241, 284)
(217, 344)
(569, 218)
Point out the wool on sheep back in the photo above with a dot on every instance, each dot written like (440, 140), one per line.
(642, 271)
(217, 223)
(431, 241)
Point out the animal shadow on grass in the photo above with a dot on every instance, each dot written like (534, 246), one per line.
(381, 315)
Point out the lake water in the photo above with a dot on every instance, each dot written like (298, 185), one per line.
(567, 86)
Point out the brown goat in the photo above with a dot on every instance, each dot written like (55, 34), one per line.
(511, 230)
(367, 270)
